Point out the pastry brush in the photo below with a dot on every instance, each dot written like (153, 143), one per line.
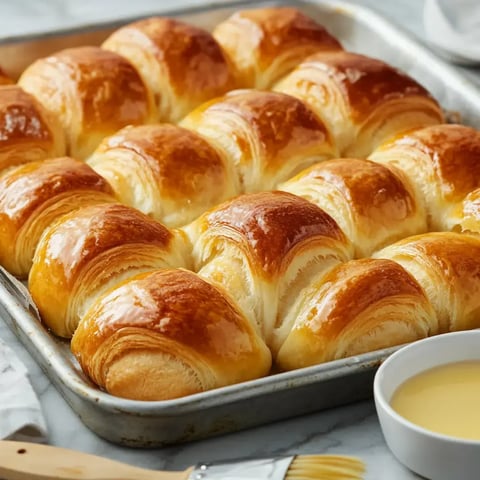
(27, 461)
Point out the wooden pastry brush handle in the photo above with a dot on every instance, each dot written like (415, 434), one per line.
(29, 461)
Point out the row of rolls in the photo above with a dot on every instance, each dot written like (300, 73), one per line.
(195, 210)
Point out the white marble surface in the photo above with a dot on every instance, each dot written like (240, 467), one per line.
(349, 430)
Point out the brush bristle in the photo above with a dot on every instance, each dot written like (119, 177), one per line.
(325, 467)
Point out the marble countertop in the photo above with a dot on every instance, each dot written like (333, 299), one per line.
(352, 430)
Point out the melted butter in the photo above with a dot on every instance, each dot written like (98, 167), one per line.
(444, 400)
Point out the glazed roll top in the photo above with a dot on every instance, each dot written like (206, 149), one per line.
(4, 78)
(92, 91)
(167, 334)
(359, 306)
(372, 205)
(361, 100)
(165, 171)
(182, 65)
(33, 196)
(263, 249)
(28, 132)
(447, 266)
(442, 162)
(267, 136)
(264, 44)
(90, 250)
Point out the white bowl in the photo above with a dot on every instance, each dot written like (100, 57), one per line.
(432, 455)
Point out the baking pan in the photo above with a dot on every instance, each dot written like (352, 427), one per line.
(278, 396)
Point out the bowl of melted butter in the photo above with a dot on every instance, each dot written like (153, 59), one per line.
(427, 397)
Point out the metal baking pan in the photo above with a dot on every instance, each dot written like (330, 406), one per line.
(278, 396)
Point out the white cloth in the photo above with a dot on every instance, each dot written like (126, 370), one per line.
(21, 415)
(453, 28)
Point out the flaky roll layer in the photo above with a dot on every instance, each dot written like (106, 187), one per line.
(372, 205)
(165, 171)
(182, 65)
(263, 249)
(267, 136)
(167, 334)
(466, 217)
(359, 306)
(33, 196)
(28, 132)
(361, 100)
(442, 162)
(90, 250)
(264, 44)
(447, 266)
(92, 91)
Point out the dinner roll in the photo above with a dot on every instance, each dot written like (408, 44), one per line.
(92, 91)
(363, 101)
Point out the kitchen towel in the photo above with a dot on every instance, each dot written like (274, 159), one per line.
(453, 28)
(21, 415)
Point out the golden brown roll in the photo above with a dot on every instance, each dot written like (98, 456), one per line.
(32, 196)
(93, 92)
(27, 131)
(263, 249)
(4, 78)
(358, 307)
(447, 266)
(265, 44)
(167, 334)
(165, 171)
(466, 216)
(372, 205)
(182, 65)
(88, 251)
(362, 101)
(442, 162)
(267, 136)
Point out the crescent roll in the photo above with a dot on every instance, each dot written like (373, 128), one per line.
(265, 44)
(167, 334)
(92, 91)
(28, 132)
(88, 251)
(447, 266)
(358, 307)
(442, 162)
(32, 196)
(182, 65)
(263, 248)
(372, 205)
(165, 171)
(267, 136)
(361, 100)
